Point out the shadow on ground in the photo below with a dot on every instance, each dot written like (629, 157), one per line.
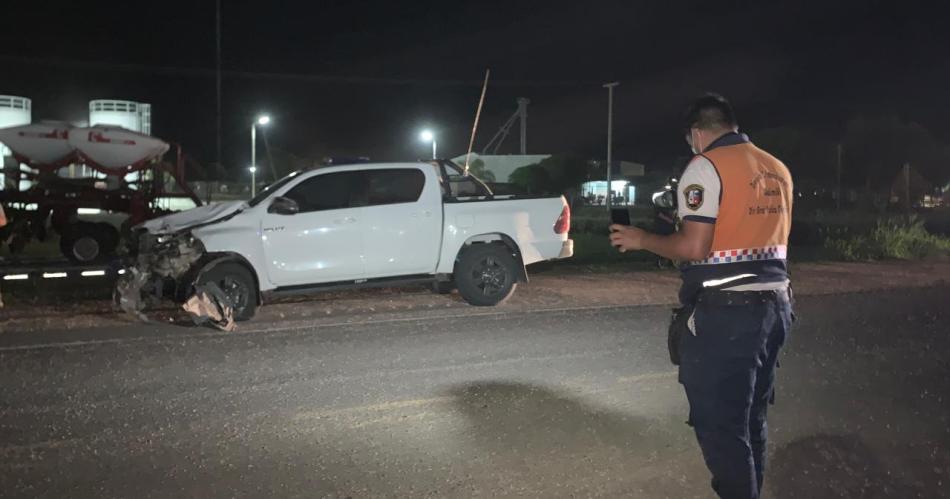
(837, 466)
(558, 442)
(518, 417)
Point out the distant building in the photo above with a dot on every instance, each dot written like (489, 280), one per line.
(622, 177)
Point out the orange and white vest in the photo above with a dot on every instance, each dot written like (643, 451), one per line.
(747, 193)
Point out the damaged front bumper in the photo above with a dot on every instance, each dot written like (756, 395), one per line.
(160, 260)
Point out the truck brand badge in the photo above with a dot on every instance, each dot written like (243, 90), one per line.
(694, 196)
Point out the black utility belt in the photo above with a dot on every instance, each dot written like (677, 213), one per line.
(720, 297)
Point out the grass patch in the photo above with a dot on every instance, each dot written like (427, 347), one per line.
(890, 238)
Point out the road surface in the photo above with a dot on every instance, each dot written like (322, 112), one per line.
(557, 403)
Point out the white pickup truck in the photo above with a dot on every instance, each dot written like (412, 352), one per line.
(351, 226)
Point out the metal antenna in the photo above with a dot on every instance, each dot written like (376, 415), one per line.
(478, 114)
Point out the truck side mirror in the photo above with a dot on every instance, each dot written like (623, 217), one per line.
(283, 206)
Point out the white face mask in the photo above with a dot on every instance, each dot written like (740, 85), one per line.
(689, 140)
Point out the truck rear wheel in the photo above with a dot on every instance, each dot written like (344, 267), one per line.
(485, 274)
(86, 242)
(238, 285)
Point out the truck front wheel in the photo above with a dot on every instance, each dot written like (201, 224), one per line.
(485, 274)
(238, 285)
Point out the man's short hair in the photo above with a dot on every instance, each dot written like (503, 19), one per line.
(711, 112)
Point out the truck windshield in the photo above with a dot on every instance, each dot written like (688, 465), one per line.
(270, 189)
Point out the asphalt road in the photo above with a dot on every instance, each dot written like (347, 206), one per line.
(579, 402)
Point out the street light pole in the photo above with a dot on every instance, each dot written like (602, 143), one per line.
(610, 138)
(261, 120)
(253, 158)
(429, 136)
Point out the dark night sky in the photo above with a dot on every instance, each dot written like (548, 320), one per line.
(420, 63)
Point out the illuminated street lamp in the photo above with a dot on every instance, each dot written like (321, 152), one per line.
(428, 136)
(261, 120)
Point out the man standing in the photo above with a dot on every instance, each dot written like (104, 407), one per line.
(735, 202)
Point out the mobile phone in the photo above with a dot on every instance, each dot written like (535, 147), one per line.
(620, 216)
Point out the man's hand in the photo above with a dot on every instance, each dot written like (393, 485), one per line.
(692, 242)
(626, 238)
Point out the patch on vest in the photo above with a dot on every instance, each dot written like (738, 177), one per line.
(694, 196)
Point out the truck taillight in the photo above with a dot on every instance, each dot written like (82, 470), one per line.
(563, 224)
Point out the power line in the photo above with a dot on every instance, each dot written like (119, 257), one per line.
(259, 75)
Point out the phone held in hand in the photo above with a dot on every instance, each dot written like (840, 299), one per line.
(620, 216)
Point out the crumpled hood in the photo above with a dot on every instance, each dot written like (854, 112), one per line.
(189, 218)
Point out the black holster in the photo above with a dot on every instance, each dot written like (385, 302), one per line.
(679, 325)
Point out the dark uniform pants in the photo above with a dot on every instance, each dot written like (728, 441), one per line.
(728, 370)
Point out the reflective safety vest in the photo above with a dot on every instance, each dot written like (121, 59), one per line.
(755, 206)
(752, 222)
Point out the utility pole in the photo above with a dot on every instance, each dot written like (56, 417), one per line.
(610, 137)
(217, 92)
(217, 58)
(838, 181)
(907, 205)
(523, 114)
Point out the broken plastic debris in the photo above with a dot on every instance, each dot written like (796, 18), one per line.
(128, 292)
(210, 305)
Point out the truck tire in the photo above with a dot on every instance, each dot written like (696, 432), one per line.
(485, 274)
(237, 283)
(86, 242)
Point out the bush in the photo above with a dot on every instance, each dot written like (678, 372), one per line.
(900, 238)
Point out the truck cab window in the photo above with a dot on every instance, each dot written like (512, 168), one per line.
(403, 185)
(331, 191)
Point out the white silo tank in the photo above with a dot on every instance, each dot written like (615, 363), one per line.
(14, 111)
(145, 118)
(135, 116)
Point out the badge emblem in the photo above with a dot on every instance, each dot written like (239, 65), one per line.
(694, 196)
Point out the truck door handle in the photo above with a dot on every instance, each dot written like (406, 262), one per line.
(423, 213)
(344, 220)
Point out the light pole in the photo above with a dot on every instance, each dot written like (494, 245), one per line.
(610, 138)
(261, 120)
(428, 136)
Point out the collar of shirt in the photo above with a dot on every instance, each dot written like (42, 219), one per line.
(729, 139)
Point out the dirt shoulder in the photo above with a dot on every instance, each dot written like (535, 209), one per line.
(560, 287)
